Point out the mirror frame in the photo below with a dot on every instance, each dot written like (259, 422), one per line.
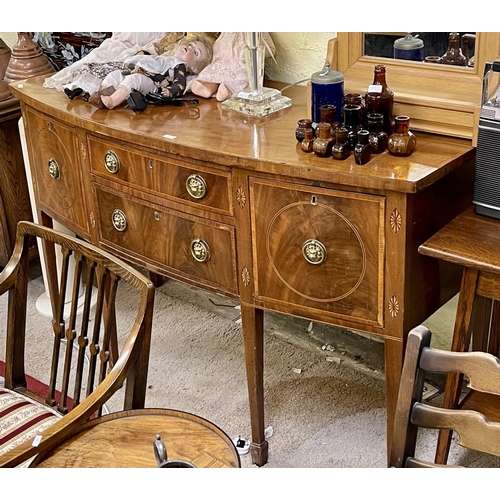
(438, 98)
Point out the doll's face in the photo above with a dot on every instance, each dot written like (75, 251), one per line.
(191, 52)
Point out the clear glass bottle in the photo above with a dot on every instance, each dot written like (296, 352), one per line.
(308, 141)
(352, 122)
(302, 126)
(454, 54)
(341, 149)
(322, 145)
(363, 148)
(402, 142)
(379, 98)
(377, 138)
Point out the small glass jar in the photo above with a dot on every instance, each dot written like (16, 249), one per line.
(352, 122)
(363, 148)
(322, 145)
(357, 100)
(341, 149)
(328, 114)
(308, 141)
(302, 125)
(377, 138)
(402, 142)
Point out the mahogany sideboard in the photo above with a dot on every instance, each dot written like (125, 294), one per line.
(231, 204)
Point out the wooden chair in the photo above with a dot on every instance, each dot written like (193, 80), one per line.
(81, 377)
(474, 429)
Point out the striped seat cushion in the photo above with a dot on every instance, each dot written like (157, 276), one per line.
(21, 419)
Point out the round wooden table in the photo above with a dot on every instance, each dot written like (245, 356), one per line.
(125, 439)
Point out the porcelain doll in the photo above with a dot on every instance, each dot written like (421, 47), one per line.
(227, 73)
(168, 75)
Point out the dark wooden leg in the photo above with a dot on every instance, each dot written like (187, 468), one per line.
(252, 321)
(480, 323)
(393, 355)
(157, 279)
(494, 340)
(460, 342)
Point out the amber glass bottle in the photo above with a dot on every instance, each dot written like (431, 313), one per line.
(352, 122)
(402, 142)
(356, 99)
(322, 145)
(379, 98)
(363, 148)
(302, 126)
(378, 138)
(341, 149)
(308, 141)
(454, 54)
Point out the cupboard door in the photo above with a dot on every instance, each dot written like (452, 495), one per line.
(56, 168)
(318, 248)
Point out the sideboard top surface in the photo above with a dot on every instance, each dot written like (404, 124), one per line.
(207, 132)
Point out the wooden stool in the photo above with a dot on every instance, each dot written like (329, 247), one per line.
(472, 241)
(125, 439)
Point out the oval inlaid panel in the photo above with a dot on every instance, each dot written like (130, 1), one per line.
(344, 267)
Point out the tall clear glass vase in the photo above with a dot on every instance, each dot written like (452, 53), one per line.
(256, 100)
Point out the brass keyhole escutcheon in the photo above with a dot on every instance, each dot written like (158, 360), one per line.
(54, 170)
(200, 250)
(111, 161)
(119, 220)
(196, 186)
(314, 251)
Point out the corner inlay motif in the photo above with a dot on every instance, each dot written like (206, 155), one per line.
(393, 306)
(395, 221)
(241, 197)
(245, 276)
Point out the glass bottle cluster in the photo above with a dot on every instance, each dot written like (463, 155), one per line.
(366, 128)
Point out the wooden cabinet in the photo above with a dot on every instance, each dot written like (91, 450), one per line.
(15, 202)
(233, 205)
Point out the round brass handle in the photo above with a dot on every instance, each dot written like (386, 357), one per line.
(196, 186)
(314, 251)
(111, 161)
(200, 250)
(54, 170)
(119, 220)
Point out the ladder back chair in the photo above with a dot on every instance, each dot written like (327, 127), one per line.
(474, 429)
(82, 371)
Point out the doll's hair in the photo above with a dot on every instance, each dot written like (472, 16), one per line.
(207, 40)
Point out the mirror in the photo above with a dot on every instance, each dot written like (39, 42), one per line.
(442, 99)
(419, 46)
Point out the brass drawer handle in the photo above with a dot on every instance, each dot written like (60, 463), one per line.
(196, 186)
(314, 251)
(54, 170)
(200, 250)
(111, 161)
(119, 220)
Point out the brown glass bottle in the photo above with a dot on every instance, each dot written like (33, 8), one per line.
(379, 98)
(356, 99)
(454, 54)
(351, 116)
(308, 141)
(322, 145)
(341, 149)
(302, 125)
(363, 148)
(327, 114)
(377, 138)
(402, 142)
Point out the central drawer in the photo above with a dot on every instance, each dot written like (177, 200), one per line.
(176, 180)
(196, 249)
